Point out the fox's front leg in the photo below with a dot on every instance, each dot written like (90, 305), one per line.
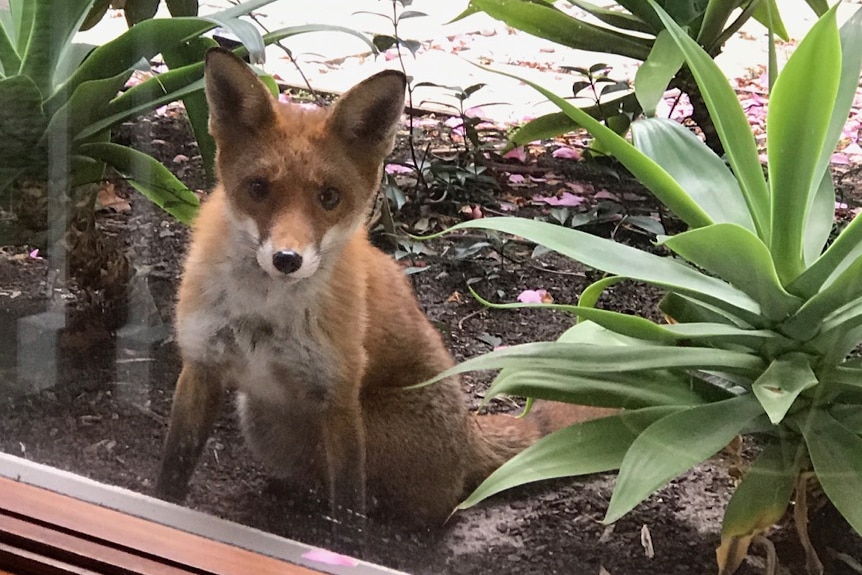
(197, 401)
(344, 440)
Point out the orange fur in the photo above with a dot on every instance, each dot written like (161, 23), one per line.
(285, 300)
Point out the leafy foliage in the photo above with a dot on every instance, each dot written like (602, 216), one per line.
(62, 98)
(631, 29)
(766, 314)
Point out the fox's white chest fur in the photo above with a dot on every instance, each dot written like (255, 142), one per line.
(262, 334)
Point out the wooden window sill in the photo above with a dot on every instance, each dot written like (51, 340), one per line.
(56, 523)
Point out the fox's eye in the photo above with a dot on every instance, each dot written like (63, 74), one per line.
(258, 189)
(329, 197)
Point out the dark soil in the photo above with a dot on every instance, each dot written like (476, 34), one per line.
(101, 408)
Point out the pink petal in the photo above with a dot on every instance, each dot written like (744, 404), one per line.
(567, 199)
(35, 254)
(606, 195)
(517, 178)
(398, 169)
(531, 296)
(566, 152)
(330, 558)
(840, 159)
(518, 153)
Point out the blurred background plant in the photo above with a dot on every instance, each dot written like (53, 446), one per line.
(630, 28)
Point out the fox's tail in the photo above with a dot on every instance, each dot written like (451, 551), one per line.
(499, 437)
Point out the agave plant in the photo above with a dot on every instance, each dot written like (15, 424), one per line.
(631, 28)
(766, 309)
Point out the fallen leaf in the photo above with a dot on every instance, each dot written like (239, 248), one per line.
(564, 199)
(107, 199)
(454, 297)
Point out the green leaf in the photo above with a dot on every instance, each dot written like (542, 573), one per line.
(622, 390)
(148, 176)
(714, 20)
(656, 179)
(782, 382)
(731, 124)
(544, 21)
(55, 22)
(622, 260)
(143, 41)
(822, 210)
(766, 12)
(182, 7)
(751, 269)
(615, 18)
(97, 12)
(10, 61)
(87, 105)
(22, 122)
(646, 330)
(197, 109)
(703, 175)
(289, 31)
(800, 111)
(139, 10)
(577, 358)
(146, 96)
(834, 452)
(590, 447)
(759, 501)
(675, 444)
(845, 289)
(653, 76)
(848, 415)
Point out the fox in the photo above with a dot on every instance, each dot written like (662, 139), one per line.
(284, 299)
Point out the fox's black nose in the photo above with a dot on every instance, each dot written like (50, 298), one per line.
(286, 261)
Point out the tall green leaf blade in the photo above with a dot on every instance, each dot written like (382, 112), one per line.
(143, 41)
(622, 390)
(675, 444)
(146, 96)
(703, 175)
(714, 19)
(846, 288)
(654, 75)
(780, 385)
(622, 260)
(195, 103)
(54, 24)
(545, 21)
(22, 122)
(651, 175)
(86, 105)
(590, 447)
(615, 18)
(182, 7)
(800, 111)
(730, 123)
(766, 12)
(10, 61)
(834, 452)
(751, 269)
(577, 358)
(822, 215)
(149, 177)
(759, 501)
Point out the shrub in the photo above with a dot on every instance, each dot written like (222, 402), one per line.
(767, 310)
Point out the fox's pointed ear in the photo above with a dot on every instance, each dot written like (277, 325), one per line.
(236, 97)
(367, 115)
